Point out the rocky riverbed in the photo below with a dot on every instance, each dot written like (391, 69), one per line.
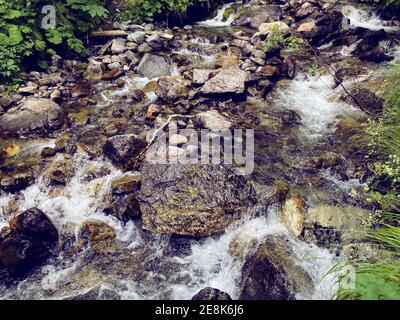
(85, 216)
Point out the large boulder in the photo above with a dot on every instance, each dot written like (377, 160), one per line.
(27, 242)
(32, 116)
(153, 66)
(227, 81)
(369, 48)
(211, 294)
(253, 16)
(195, 200)
(322, 28)
(123, 150)
(270, 273)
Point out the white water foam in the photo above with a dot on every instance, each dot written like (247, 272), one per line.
(218, 20)
(316, 102)
(369, 20)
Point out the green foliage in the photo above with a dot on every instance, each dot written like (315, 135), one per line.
(313, 70)
(377, 279)
(21, 35)
(143, 10)
(276, 38)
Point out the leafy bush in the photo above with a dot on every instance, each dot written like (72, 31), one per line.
(377, 279)
(141, 10)
(21, 35)
(276, 38)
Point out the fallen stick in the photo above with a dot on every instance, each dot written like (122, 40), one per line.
(109, 33)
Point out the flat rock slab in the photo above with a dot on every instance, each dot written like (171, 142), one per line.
(226, 81)
(153, 66)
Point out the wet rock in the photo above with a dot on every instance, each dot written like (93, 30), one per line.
(270, 273)
(138, 95)
(153, 66)
(320, 29)
(213, 120)
(153, 111)
(227, 81)
(126, 184)
(368, 100)
(211, 294)
(123, 202)
(290, 67)
(28, 241)
(254, 15)
(270, 71)
(59, 172)
(196, 200)
(369, 48)
(241, 244)
(94, 69)
(170, 89)
(123, 150)
(112, 75)
(293, 215)
(48, 152)
(17, 181)
(32, 116)
(97, 230)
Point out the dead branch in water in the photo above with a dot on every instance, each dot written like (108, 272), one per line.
(332, 73)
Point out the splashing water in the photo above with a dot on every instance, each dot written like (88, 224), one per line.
(316, 102)
(361, 18)
(218, 20)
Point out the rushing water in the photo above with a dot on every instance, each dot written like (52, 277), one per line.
(218, 20)
(360, 17)
(203, 263)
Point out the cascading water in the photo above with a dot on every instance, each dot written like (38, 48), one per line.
(361, 18)
(220, 20)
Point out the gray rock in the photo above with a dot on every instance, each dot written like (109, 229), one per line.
(144, 48)
(138, 36)
(226, 81)
(170, 89)
(153, 66)
(201, 76)
(118, 45)
(32, 116)
(213, 120)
